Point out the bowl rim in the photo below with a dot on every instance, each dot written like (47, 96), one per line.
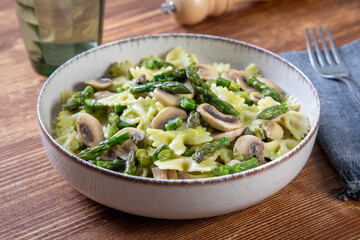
(178, 182)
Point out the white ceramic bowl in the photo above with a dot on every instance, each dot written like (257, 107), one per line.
(177, 199)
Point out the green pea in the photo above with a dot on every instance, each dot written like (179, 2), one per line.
(187, 103)
(166, 155)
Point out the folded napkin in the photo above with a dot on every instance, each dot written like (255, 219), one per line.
(339, 130)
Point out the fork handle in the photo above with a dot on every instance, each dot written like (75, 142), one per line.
(354, 87)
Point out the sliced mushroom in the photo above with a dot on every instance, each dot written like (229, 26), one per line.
(89, 130)
(167, 114)
(183, 176)
(164, 173)
(233, 162)
(217, 119)
(231, 135)
(109, 155)
(136, 134)
(99, 83)
(240, 77)
(270, 84)
(168, 99)
(248, 145)
(172, 174)
(165, 98)
(273, 130)
(207, 72)
(102, 94)
(255, 97)
(122, 151)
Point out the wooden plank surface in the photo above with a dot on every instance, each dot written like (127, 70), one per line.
(35, 202)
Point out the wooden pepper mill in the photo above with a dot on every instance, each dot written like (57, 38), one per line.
(189, 12)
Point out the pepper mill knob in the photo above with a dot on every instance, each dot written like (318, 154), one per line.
(189, 12)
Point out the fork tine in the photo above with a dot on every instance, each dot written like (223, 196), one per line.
(317, 48)
(310, 50)
(334, 50)
(328, 56)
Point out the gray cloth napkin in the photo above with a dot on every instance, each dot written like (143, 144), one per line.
(339, 130)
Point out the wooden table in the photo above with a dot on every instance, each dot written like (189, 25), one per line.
(35, 202)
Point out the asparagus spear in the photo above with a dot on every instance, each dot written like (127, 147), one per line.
(209, 148)
(206, 95)
(119, 90)
(265, 90)
(193, 120)
(122, 125)
(114, 70)
(112, 165)
(187, 103)
(235, 87)
(130, 165)
(78, 99)
(258, 132)
(143, 157)
(92, 107)
(173, 124)
(119, 109)
(93, 152)
(89, 104)
(157, 64)
(272, 112)
(189, 152)
(169, 86)
(222, 82)
(113, 119)
(247, 131)
(166, 155)
(178, 74)
(231, 85)
(160, 148)
(174, 87)
(238, 167)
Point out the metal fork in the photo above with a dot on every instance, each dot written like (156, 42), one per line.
(329, 63)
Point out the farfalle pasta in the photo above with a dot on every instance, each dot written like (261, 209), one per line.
(297, 123)
(180, 138)
(277, 148)
(178, 57)
(176, 118)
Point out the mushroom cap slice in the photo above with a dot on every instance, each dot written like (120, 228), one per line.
(248, 144)
(168, 99)
(255, 97)
(164, 173)
(122, 151)
(109, 155)
(165, 98)
(102, 94)
(99, 83)
(270, 84)
(167, 114)
(217, 119)
(89, 130)
(231, 135)
(136, 134)
(273, 130)
(207, 72)
(240, 77)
